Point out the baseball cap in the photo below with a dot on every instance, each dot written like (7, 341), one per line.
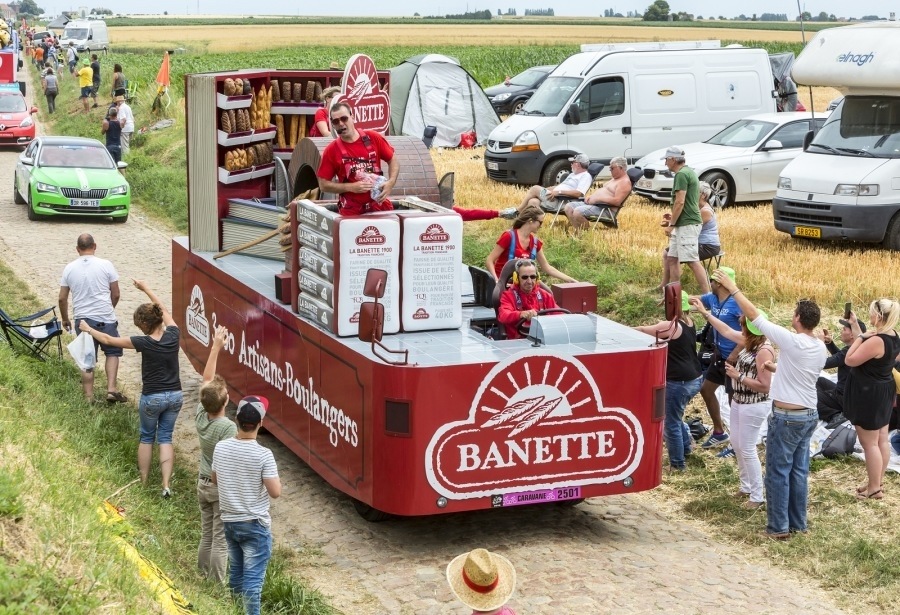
(729, 272)
(752, 328)
(846, 323)
(252, 409)
(673, 152)
(86, 62)
(685, 301)
(581, 159)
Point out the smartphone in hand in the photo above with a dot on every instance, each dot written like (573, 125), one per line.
(848, 307)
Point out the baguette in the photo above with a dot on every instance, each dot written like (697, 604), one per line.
(279, 131)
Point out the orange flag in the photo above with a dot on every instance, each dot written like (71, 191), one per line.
(162, 77)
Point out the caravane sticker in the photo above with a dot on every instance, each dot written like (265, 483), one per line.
(371, 107)
(195, 317)
(537, 423)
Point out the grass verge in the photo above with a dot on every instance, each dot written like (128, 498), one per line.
(60, 457)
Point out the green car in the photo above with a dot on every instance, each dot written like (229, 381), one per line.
(71, 176)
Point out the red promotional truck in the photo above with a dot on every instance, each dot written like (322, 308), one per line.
(438, 416)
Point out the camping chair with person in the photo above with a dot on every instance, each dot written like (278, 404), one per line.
(558, 206)
(34, 333)
(609, 214)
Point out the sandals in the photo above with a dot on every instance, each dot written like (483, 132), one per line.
(864, 488)
(116, 397)
(875, 495)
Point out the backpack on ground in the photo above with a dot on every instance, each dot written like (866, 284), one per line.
(841, 441)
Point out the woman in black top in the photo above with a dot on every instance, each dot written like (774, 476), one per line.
(683, 380)
(161, 396)
(112, 128)
(870, 392)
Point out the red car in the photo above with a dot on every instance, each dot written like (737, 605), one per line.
(16, 121)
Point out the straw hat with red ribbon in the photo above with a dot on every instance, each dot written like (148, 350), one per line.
(482, 580)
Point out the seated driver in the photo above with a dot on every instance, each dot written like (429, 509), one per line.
(524, 299)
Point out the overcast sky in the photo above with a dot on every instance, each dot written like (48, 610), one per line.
(705, 8)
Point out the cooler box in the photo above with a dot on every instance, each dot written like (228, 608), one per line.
(577, 297)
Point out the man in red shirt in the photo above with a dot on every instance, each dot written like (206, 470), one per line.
(354, 160)
(524, 299)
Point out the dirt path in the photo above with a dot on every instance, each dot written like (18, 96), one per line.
(612, 555)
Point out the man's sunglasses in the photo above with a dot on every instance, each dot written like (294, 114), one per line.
(529, 277)
(340, 120)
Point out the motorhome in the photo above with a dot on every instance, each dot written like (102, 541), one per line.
(88, 35)
(628, 99)
(844, 185)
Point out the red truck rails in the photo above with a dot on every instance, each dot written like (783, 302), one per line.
(465, 422)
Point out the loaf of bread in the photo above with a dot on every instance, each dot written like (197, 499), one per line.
(229, 87)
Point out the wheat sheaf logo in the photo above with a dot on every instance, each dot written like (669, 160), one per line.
(370, 236)
(435, 233)
(195, 317)
(536, 422)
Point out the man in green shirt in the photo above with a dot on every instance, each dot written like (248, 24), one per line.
(683, 224)
(212, 427)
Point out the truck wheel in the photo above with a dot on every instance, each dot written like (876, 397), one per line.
(892, 236)
(554, 172)
(722, 189)
(16, 196)
(372, 515)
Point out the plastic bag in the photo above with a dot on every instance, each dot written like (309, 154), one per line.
(82, 350)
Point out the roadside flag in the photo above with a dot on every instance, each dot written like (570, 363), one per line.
(162, 77)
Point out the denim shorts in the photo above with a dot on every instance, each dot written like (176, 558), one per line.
(158, 413)
(110, 328)
(86, 91)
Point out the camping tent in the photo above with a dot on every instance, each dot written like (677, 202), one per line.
(434, 90)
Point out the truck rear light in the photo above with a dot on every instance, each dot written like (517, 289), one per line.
(659, 404)
(396, 418)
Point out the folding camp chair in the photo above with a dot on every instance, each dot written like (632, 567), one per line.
(33, 333)
(609, 214)
(712, 263)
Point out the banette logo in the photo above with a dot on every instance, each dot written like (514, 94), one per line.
(536, 422)
(370, 236)
(195, 317)
(371, 106)
(435, 233)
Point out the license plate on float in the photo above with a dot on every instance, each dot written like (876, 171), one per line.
(558, 494)
(493, 166)
(84, 203)
(808, 231)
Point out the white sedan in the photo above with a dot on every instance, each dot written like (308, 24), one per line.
(741, 163)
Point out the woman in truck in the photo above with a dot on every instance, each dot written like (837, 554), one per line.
(521, 242)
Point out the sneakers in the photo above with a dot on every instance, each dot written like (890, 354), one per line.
(725, 453)
(751, 505)
(166, 493)
(509, 213)
(717, 439)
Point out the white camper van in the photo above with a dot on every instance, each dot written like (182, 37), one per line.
(846, 184)
(87, 34)
(628, 99)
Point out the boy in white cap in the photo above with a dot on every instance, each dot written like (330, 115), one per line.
(483, 581)
(247, 477)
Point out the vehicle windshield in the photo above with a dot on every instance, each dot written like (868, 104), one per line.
(76, 33)
(527, 78)
(12, 103)
(867, 126)
(553, 94)
(744, 133)
(76, 156)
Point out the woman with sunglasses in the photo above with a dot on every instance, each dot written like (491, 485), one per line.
(870, 391)
(521, 242)
(320, 126)
(750, 404)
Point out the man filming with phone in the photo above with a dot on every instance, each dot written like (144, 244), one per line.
(829, 393)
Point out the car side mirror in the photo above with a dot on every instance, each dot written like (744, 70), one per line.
(90, 37)
(122, 165)
(772, 144)
(573, 115)
(27, 161)
(807, 139)
(33, 110)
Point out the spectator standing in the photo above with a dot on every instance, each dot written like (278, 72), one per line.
(161, 396)
(870, 392)
(212, 427)
(683, 379)
(118, 83)
(85, 82)
(708, 243)
(126, 118)
(794, 416)
(113, 131)
(483, 581)
(71, 58)
(93, 284)
(52, 58)
(247, 478)
(51, 88)
(521, 242)
(830, 395)
(722, 305)
(684, 223)
(95, 78)
(38, 59)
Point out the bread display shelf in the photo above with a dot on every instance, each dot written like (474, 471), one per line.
(233, 102)
(247, 136)
(232, 177)
(292, 108)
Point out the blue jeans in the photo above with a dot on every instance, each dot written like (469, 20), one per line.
(249, 549)
(158, 412)
(787, 469)
(676, 433)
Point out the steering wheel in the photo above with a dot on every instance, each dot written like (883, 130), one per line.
(523, 330)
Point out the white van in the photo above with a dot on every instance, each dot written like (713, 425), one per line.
(88, 35)
(628, 99)
(846, 183)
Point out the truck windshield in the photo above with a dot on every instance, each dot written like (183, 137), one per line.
(862, 126)
(743, 133)
(78, 34)
(553, 94)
